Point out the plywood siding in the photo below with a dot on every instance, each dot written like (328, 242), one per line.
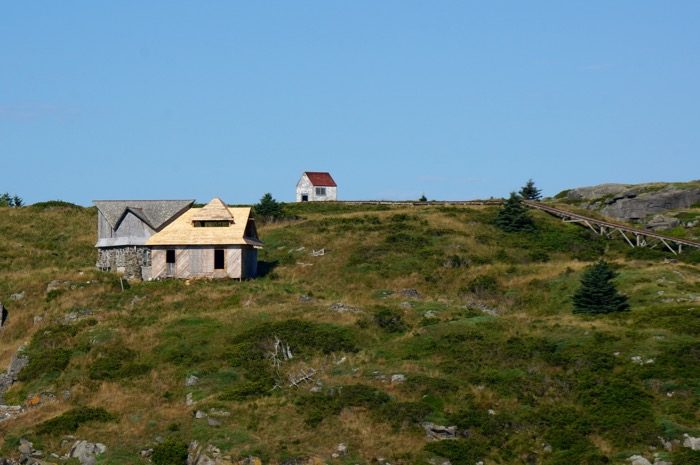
(233, 262)
(198, 262)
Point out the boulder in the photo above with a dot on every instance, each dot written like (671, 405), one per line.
(17, 296)
(638, 460)
(438, 432)
(86, 452)
(661, 223)
(398, 378)
(691, 442)
(191, 380)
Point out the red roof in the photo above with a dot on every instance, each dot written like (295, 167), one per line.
(320, 179)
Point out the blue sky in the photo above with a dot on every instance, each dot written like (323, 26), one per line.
(454, 99)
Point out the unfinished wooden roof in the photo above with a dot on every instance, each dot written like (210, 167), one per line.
(155, 213)
(215, 210)
(188, 228)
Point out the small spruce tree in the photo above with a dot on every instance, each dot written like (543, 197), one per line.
(423, 198)
(5, 200)
(530, 192)
(597, 293)
(513, 215)
(17, 201)
(268, 208)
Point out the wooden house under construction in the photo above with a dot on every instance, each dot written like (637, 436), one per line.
(214, 241)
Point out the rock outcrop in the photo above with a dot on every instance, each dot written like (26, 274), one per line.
(651, 203)
(636, 202)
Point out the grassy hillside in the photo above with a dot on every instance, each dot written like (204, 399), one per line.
(477, 321)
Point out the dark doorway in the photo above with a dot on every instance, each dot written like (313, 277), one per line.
(304, 197)
(218, 259)
(170, 262)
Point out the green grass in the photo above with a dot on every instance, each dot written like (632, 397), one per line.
(490, 345)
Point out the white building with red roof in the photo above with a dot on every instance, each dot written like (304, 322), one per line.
(316, 186)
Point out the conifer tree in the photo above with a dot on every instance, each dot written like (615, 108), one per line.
(530, 192)
(597, 293)
(513, 215)
(268, 208)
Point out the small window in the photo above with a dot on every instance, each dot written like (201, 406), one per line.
(212, 224)
(170, 256)
(218, 259)
(321, 191)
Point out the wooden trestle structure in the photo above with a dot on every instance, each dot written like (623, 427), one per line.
(634, 237)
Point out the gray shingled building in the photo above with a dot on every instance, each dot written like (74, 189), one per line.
(124, 226)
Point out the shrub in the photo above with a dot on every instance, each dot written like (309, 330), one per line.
(390, 320)
(460, 451)
(51, 363)
(170, 452)
(71, 420)
(316, 407)
(597, 293)
(116, 363)
(482, 285)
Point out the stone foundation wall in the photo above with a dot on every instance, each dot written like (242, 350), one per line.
(125, 260)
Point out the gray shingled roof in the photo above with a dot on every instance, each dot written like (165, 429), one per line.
(155, 212)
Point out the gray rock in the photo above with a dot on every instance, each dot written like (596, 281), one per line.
(691, 442)
(188, 399)
(25, 447)
(213, 422)
(17, 296)
(191, 380)
(652, 203)
(596, 192)
(438, 432)
(638, 460)
(398, 378)
(217, 412)
(199, 414)
(86, 452)
(661, 223)
(341, 448)
(410, 293)
(305, 299)
(344, 308)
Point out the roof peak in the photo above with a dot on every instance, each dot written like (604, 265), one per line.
(215, 210)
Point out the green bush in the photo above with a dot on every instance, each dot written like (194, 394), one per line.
(71, 420)
(460, 451)
(482, 285)
(390, 320)
(170, 452)
(48, 363)
(317, 407)
(116, 363)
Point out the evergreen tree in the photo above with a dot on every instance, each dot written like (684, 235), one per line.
(423, 198)
(597, 293)
(17, 201)
(530, 192)
(513, 215)
(268, 208)
(5, 200)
